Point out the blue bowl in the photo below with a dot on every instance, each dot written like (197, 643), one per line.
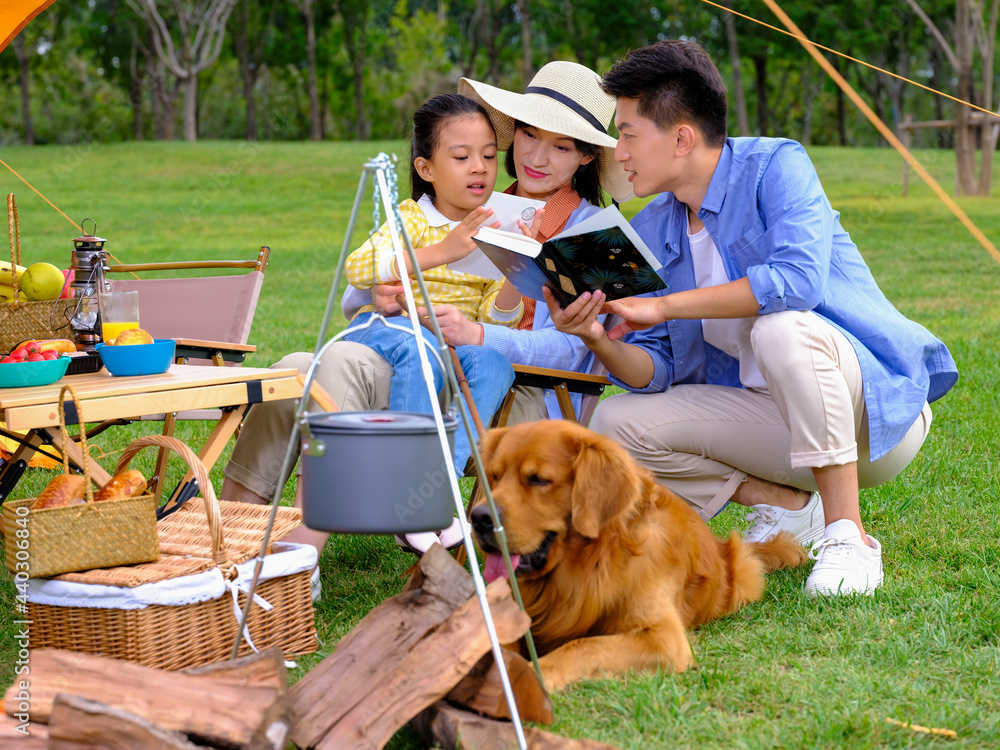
(22, 374)
(138, 359)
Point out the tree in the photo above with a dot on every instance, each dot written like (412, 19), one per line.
(972, 32)
(252, 27)
(200, 26)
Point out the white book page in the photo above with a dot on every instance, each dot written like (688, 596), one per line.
(507, 209)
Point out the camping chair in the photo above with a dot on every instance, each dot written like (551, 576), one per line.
(209, 317)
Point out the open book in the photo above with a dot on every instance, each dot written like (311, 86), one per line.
(507, 209)
(602, 252)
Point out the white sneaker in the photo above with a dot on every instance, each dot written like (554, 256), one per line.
(419, 542)
(805, 525)
(844, 563)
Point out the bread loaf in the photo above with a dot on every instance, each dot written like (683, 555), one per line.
(65, 489)
(127, 484)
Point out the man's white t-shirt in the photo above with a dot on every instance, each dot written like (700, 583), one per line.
(730, 335)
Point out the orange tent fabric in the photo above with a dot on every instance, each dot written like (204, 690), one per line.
(15, 15)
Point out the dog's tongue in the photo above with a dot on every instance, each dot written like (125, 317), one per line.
(496, 568)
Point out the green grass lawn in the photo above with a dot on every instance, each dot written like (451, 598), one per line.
(786, 672)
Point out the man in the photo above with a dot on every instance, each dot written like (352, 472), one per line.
(772, 372)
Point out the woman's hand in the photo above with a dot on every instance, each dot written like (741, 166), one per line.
(457, 329)
(579, 317)
(384, 297)
(536, 224)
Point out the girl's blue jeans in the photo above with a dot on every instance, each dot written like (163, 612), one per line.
(489, 373)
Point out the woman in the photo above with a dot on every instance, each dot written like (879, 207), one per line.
(558, 149)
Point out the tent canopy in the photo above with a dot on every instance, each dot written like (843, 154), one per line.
(15, 15)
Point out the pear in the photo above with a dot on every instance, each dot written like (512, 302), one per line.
(42, 281)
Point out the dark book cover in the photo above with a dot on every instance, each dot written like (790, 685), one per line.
(601, 253)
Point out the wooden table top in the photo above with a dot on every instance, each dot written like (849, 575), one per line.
(181, 387)
(103, 384)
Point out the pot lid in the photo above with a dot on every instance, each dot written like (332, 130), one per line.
(377, 422)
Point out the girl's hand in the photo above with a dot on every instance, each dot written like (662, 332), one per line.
(580, 317)
(536, 224)
(384, 298)
(457, 329)
(638, 313)
(459, 242)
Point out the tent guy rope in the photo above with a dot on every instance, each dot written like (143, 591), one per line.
(884, 129)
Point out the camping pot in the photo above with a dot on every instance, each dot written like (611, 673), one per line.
(379, 472)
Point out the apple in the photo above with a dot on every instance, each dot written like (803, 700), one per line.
(68, 292)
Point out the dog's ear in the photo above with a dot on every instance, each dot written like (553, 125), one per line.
(606, 484)
(489, 442)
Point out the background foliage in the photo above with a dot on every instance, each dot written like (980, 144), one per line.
(92, 76)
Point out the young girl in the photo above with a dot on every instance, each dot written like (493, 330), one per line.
(452, 174)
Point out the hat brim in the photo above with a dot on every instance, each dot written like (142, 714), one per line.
(507, 107)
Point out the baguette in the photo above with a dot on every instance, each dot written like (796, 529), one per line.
(129, 483)
(65, 489)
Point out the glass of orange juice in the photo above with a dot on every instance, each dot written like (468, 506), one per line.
(119, 311)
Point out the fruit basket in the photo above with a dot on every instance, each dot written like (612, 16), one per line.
(23, 374)
(20, 318)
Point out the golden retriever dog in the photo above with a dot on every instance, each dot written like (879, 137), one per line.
(613, 569)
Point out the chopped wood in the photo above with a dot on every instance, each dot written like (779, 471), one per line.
(263, 669)
(453, 728)
(80, 724)
(407, 653)
(242, 716)
(482, 690)
(21, 730)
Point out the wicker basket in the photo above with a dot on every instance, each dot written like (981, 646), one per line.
(21, 321)
(47, 542)
(177, 636)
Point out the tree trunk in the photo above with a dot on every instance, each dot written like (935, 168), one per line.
(24, 81)
(191, 108)
(135, 87)
(358, 82)
(808, 95)
(965, 135)
(315, 116)
(739, 95)
(248, 71)
(529, 71)
(841, 108)
(760, 67)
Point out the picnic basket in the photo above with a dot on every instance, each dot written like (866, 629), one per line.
(183, 610)
(21, 321)
(47, 542)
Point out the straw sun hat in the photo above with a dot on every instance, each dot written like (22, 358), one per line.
(564, 98)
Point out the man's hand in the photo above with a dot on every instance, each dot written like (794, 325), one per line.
(580, 317)
(638, 313)
(457, 329)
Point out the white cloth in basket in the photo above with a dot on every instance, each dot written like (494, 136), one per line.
(286, 559)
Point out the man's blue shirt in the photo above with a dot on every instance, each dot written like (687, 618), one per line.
(773, 224)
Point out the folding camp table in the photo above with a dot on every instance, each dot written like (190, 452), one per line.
(34, 413)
